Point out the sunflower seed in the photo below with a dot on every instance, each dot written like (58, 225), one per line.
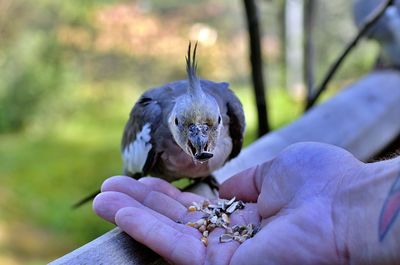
(231, 201)
(232, 207)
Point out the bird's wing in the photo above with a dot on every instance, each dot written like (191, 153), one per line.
(138, 145)
(232, 108)
(237, 122)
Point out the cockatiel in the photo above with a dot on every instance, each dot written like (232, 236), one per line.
(186, 128)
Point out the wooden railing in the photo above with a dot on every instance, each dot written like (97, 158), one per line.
(363, 118)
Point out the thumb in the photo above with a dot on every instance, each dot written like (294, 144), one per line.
(245, 185)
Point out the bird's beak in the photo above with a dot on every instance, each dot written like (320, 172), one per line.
(198, 143)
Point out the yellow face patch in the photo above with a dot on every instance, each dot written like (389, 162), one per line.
(200, 114)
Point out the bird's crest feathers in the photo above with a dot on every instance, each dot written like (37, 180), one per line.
(191, 67)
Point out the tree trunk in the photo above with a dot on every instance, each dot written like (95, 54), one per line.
(257, 65)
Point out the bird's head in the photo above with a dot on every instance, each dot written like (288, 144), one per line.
(195, 121)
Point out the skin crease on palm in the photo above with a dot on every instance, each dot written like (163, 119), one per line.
(301, 198)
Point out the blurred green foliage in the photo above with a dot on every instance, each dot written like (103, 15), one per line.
(71, 70)
(40, 74)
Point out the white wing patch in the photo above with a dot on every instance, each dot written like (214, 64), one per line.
(135, 154)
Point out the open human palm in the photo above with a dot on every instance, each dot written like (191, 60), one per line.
(291, 197)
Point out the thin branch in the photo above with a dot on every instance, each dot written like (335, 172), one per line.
(256, 65)
(368, 23)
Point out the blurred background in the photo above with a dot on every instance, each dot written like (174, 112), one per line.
(70, 71)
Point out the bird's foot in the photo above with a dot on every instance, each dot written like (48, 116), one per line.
(210, 180)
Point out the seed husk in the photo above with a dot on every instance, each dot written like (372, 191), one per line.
(210, 227)
(202, 228)
(199, 223)
(206, 203)
(232, 207)
(214, 219)
(231, 201)
(204, 240)
(240, 239)
(224, 238)
(225, 218)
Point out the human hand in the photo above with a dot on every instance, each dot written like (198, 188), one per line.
(154, 213)
(294, 197)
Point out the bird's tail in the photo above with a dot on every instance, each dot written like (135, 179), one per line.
(85, 200)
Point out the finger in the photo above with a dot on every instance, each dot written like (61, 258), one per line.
(170, 243)
(163, 203)
(157, 201)
(186, 198)
(170, 207)
(140, 189)
(160, 185)
(108, 203)
(126, 185)
(245, 185)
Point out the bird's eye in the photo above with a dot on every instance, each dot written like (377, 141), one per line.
(176, 121)
(219, 119)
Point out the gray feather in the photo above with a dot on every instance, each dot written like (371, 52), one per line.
(155, 106)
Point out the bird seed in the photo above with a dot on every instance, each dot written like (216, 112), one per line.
(217, 215)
